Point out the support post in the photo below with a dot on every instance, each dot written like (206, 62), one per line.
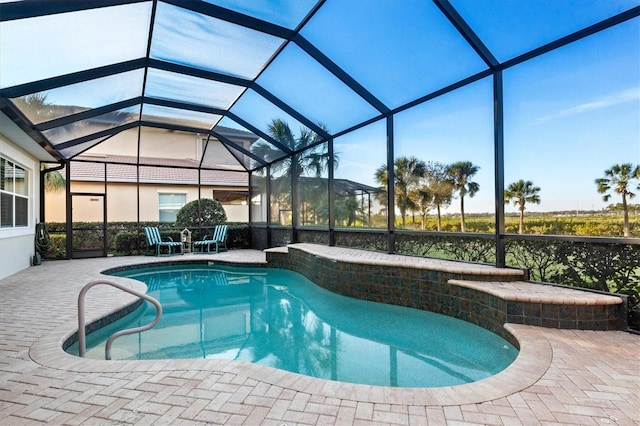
(268, 206)
(498, 126)
(331, 194)
(391, 201)
(69, 212)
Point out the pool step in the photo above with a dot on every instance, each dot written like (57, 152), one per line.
(553, 306)
(482, 294)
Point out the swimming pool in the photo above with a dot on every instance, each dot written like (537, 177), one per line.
(279, 318)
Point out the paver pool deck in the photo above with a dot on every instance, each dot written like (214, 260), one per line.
(560, 376)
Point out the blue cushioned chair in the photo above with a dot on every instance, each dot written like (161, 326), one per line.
(155, 242)
(218, 238)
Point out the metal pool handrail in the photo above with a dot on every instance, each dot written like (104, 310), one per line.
(81, 326)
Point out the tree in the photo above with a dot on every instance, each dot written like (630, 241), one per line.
(347, 210)
(36, 105)
(210, 213)
(618, 179)
(423, 199)
(407, 174)
(53, 181)
(440, 186)
(522, 192)
(407, 171)
(461, 174)
(381, 175)
(303, 161)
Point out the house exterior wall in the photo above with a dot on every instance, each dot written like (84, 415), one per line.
(122, 205)
(17, 244)
(168, 144)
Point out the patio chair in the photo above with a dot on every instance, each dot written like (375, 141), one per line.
(155, 242)
(219, 237)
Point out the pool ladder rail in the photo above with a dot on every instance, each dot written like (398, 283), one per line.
(82, 341)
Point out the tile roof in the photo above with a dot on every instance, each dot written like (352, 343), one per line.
(121, 168)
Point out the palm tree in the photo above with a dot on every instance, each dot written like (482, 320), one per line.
(53, 180)
(381, 176)
(461, 173)
(314, 160)
(35, 105)
(407, 174)
(520, 193)
(618, 179)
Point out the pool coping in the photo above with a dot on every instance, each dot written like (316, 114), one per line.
(346, 254)
(533, 360)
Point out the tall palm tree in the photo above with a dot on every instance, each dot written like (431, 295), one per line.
(302, 162)
(522, 192)
(407, 171)
(381, 176)
(618, 179)
(461, 173)
(280, 131)
(407, 174)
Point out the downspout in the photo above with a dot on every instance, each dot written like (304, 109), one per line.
(42, 189)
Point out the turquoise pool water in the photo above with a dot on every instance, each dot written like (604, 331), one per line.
(281, 319)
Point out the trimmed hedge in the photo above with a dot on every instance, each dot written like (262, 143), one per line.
(127, 238)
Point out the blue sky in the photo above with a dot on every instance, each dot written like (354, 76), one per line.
(569, 114)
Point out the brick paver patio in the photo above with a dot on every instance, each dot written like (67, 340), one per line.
(561, 376)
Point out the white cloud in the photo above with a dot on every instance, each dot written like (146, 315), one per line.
(623, 96)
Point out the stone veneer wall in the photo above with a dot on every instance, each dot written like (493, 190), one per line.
(565, 316)
(430, 290)
(415, 288)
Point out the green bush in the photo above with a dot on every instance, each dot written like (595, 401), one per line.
(129, 243)
(239, 237)
(57, 247)
(127, 238)
(209, 213)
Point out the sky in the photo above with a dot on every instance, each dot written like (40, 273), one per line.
(569, 115)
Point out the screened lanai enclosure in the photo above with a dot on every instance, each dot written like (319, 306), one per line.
(503, 132)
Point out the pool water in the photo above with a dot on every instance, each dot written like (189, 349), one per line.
(281, 319)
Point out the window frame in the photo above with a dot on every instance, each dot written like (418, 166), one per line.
(12, 192)
(170, 206)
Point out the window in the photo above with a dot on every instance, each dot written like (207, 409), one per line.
(168, 206)
(14, 195)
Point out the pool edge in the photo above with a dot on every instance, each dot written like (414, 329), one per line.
(532, 362)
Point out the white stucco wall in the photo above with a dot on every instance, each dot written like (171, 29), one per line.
(236, 212)
(15, 254)
(121, 202)
(17, 244)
